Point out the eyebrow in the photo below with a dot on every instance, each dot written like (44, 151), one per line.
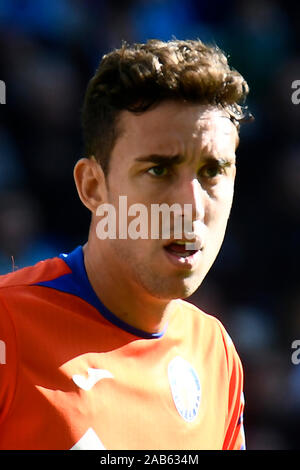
(161, 159)
(166, 160)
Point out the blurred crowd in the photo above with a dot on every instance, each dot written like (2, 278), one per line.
(48, 52)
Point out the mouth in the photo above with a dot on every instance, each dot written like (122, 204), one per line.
(184, 253)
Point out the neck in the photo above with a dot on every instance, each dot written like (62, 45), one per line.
(122, 297)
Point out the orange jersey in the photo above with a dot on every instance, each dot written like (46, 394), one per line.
(74, 376)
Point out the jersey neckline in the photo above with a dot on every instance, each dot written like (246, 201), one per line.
(77, 283)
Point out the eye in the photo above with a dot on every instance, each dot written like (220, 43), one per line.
(158, 171)
(212, 170)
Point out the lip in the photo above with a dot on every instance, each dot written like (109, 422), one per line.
(187, 262)
(193, 244)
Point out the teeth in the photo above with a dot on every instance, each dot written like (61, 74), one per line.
(180, 243)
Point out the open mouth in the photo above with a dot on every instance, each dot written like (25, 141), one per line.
(181, 249)
(184, 254)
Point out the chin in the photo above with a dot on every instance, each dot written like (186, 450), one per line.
(188, 290)
(177, 289)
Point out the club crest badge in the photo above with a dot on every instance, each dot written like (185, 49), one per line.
(185, 388)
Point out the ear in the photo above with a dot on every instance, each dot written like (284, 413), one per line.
(90, 183)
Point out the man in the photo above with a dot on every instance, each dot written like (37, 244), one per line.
(101, 352)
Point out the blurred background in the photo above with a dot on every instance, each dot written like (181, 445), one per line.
(48, 52)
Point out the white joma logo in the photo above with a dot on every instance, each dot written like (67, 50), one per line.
(94, 376)
(89, 441)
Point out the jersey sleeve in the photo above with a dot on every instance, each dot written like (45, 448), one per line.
(234, 430)
(8, 361)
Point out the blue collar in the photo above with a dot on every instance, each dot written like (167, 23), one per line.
(78, 284)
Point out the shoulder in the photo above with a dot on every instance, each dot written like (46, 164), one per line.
(211, 331)
(201, 318)
(40, 272)
(17, 290)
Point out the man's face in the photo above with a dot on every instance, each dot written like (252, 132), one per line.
(175, 153)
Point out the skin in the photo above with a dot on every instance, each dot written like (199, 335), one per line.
(146, 278)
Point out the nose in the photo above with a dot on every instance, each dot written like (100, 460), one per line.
(192, 193)
(198, 203)
(191, 197)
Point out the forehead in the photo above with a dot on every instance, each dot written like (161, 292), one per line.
(175, 127)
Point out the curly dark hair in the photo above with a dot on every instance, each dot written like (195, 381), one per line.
(139, 76)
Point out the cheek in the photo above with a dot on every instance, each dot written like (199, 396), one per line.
(219, 207)
(134, 255)
(227, 197)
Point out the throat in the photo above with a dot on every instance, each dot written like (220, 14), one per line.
(126, 304)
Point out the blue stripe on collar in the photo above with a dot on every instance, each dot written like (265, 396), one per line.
(78, 284)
